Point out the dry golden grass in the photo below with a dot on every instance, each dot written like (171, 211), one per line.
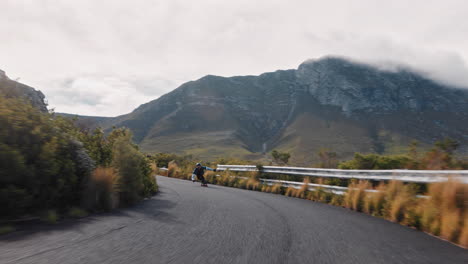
(337, 200)
(276, 188)
(374, 201)
(157, 171)
(321, 195)
(290, 191)
(253, 184)
(101, 190)
(447, 204)
(401, 204)
(354, 197)
(302, 192)
(173, 170)
(442, 213)
(463, 240)
(154, 168)
(450, 224)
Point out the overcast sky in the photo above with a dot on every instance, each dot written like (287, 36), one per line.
(106, 57)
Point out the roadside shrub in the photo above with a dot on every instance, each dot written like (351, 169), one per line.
(354, 197)
(47, 163)
(50, 217)
(375, 162)
(5, 229)
(464, 232)
(302, 192)
(276, 188)
(77, 212)
(374, 201)
(242, 183)
(252, 184)
(135, 175)
(290, 191)
(173, 170)
(401, 206)
(42, 166)
(337, 200)
(442, 212)
(102, 189)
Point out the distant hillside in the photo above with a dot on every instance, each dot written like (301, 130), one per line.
(13, 89)
(90, 122)
(327, 103)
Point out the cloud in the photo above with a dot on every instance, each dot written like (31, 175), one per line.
(104, 95)
(135, 51)
(446, 67)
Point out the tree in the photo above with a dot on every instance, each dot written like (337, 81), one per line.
(440, 157)
(447, 145)
(133, 167)
(280, 157)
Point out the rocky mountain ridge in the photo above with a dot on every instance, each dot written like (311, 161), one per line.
(14, 89)
(326, 103)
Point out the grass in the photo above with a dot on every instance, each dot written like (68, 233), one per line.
(354, 197)
(464, 232)
(101, 189)
(5, 229)
(173, 170)
(445, 212)
(374, 201)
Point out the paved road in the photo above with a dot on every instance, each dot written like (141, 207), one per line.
(187, 223)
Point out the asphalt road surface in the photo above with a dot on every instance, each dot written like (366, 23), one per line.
(187, 223)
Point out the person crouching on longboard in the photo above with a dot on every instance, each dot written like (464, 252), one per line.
(199, 171)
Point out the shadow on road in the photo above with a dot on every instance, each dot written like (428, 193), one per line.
(151, 209)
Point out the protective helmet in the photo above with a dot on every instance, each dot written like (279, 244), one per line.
(198, 164)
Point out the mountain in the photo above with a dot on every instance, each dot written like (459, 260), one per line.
(329, 103)
(13, 89)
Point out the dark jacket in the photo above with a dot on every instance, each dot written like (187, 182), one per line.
(201, 171)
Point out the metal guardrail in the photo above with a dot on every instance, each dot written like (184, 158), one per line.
(314, 187)
(420, 176)
(311, 186)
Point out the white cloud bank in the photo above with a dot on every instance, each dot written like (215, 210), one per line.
(107, 57)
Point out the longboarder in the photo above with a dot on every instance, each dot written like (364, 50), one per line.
(199, 171)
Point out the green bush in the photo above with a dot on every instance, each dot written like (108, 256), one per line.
(135, 174)
(6, 229)
(41, 165)
(46, 161)
(50, 217)
(375, 162)
(77, 212)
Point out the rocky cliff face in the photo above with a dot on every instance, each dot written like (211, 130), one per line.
(354, 87)
(331, 103)
(13, 89)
